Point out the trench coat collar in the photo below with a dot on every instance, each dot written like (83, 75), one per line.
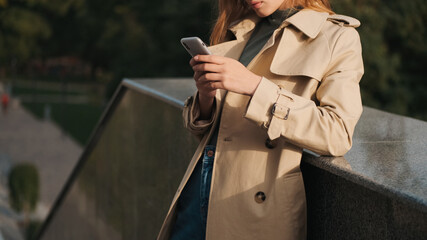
(308, 21)
(240, 28)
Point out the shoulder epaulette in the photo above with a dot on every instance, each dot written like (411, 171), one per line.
(344, 20)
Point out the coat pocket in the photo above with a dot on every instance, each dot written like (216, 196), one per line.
(290, 192)
(293, 187)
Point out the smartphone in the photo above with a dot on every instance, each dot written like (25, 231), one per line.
(195, 46)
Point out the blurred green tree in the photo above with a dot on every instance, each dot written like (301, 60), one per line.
(21, 31)
(141, 39)
(24, 188)
(393, 35)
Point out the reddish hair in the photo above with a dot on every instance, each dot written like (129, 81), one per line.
(235, 10)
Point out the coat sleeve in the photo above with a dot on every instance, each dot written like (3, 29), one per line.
(191, 114)
(326, 127)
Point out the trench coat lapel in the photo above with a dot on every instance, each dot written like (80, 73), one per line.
(232, 49)
(288, 60)
(293, 56)
(308, 22)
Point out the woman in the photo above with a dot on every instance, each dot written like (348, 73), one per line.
(283, 76)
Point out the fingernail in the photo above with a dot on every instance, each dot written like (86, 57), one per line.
(196, 57)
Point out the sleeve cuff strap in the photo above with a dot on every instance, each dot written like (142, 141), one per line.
(259, 108)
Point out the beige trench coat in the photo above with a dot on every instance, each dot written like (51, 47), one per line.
(308, 98)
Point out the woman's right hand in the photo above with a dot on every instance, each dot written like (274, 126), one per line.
(206, 93)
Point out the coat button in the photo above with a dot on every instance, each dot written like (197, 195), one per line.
(270, 143)
(210, 153)
(259, 197)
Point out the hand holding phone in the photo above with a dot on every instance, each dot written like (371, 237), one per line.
(195, 46)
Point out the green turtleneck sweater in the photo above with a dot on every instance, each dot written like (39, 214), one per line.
(262, 32)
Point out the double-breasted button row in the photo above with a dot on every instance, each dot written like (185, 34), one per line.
(260, 197)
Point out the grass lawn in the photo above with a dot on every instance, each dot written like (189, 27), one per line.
(77, 120)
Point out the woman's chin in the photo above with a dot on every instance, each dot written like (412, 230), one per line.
(263, 12)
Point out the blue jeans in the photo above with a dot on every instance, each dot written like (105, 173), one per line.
(192, 205)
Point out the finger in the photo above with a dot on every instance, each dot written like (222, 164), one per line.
(197, 75)
(210, 59)
(214, 85)
(204, 86)
(207, 67)
(193, 62)
(209, 77)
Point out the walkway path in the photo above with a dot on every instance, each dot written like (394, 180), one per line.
(24, 138)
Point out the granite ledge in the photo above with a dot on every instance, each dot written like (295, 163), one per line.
(388, 153)
(331, 165)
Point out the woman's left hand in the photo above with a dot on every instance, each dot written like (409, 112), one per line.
(225, 73)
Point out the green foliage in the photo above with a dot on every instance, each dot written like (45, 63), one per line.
(78, 120)
(141, 39)
(21, 29)
(24, 187)
(28, 90)
(393, 36)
